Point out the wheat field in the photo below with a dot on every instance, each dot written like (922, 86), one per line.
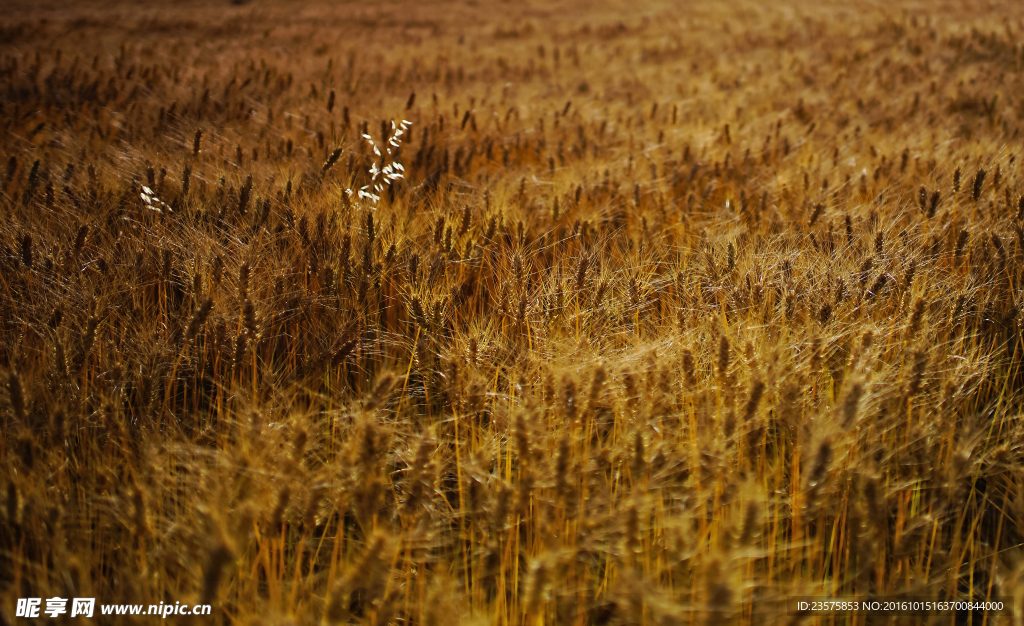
(512, 313)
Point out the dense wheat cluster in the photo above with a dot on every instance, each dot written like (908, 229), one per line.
(652, 314)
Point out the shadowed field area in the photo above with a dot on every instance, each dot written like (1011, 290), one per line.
(512, 313)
